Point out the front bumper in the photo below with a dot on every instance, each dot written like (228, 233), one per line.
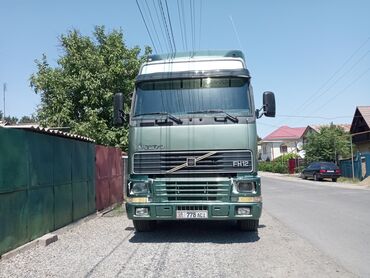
(216, 211)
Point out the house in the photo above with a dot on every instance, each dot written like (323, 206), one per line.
(283, 140)
(360, 129)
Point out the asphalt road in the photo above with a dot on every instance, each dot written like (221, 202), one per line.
(335, 219)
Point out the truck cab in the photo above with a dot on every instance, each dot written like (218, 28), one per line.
(193, 140)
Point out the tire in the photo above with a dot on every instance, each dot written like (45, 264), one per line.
(315, 177)
(249, 225)
(144, 225)
(304, 177)
(334, 179)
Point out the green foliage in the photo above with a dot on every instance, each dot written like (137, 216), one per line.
(78, 92)
(11, 120)
(285, 157)
(328, 144)
(28, 120)
(279, 165)
(274, 167)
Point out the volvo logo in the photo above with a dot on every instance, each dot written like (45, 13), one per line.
(191, 161)
(150, 147)
(240, 163)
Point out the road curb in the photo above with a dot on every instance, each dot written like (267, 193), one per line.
(45, 240)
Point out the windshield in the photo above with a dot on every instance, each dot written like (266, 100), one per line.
(182, 96)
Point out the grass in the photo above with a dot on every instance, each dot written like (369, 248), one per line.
(348, 180)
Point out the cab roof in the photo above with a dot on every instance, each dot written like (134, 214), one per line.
(197, 54)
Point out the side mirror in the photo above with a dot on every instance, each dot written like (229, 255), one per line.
(118, 114)
(269, 104)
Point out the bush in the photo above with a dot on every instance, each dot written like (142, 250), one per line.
(299, 169)
(265, 166)
(280, 168)
(274, 167)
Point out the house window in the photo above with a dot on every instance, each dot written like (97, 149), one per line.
(264, 149)
(283, 148)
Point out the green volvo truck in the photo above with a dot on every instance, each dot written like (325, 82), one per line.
(192, 140)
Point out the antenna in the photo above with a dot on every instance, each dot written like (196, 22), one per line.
(4, 90)
(235, 31)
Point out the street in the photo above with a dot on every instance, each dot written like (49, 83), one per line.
(108, 246)
(334, 218)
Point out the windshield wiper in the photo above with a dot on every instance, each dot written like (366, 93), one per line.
(231, 117)
(169, 115)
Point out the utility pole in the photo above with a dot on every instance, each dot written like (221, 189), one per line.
(4, 90)
(353, 165)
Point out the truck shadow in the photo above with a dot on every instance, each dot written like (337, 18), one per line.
(220, 232)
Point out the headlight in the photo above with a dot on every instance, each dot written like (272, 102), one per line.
(245, 186)
(139, 188)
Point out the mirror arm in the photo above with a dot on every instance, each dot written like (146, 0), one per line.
(121, 114)
(258, 112)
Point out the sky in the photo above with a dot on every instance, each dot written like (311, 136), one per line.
(314, 55)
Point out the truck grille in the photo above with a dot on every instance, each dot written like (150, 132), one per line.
(192, 191)
(193, 162)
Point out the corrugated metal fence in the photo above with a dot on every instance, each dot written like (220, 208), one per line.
(46, 182)
(361, 165)
(109, 176)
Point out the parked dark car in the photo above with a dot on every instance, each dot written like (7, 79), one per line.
(321, 170)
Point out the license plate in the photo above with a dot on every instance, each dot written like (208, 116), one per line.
(330, 171)
(191, 214)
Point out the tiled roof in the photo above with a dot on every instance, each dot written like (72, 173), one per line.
(285, 132)
(55, 132)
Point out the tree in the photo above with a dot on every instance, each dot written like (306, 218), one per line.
(28, 120)
(78, 92)
(11, 120)
(330, 143)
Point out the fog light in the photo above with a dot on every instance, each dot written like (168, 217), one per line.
(142, 212)
(244, 211)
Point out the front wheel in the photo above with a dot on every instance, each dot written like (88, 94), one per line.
(144, 225)
(250, 225)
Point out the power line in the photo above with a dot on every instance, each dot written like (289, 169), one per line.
(312, 117)
(200, 21)
(192, 25)
(185, 29)
(169, 20)
(313, 96)
(181, 27)
(155, 29)
(345, 88)
(163, 33)
(165, 25)
(146, 26)
(340, 77)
